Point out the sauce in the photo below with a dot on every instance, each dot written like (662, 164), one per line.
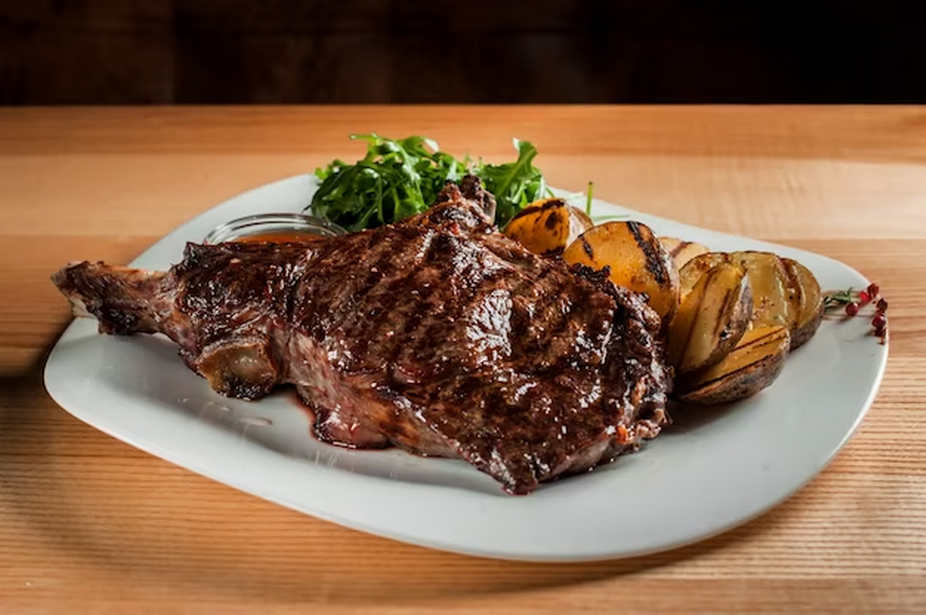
(289, 236)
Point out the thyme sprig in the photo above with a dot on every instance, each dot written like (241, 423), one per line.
(837, 298)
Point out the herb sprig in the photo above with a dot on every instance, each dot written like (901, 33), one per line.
(852, 301)
(837, 298)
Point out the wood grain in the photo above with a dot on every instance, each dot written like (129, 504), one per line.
(91, 525)
(420, 51)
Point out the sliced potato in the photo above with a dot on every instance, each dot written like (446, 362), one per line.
(771, 295)
(753, 365)
(682, 251)
(691, 272)
(711, 319)
(548, 226)
(771, 298)
(636, 260)
(807, 299)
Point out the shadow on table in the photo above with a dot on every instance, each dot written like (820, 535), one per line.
(77, 491)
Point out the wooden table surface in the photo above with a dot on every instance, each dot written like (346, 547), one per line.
(89, 524)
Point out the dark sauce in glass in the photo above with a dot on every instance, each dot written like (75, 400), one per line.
(281, 237)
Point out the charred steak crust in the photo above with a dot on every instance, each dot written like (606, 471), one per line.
(437, 334)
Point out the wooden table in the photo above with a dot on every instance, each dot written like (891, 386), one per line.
(88, 524)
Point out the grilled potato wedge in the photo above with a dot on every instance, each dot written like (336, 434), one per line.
(695, 268)
(711, 320)
(772, 304)
(636, 260)
(771, 295)
(548, 226)
(784, 292)
(807, 299)
(753, 365)
(682, 251)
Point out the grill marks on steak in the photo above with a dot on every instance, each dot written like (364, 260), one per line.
(437, 334)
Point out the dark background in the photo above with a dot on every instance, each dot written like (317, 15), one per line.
(56, 52)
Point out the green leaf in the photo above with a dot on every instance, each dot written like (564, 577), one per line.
(837, 298)
(514, 184)
(398, 178)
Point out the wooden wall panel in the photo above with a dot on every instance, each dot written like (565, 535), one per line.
(415, 51)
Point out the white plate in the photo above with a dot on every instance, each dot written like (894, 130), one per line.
(714, 470)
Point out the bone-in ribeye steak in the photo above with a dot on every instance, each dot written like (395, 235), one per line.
(437, 334)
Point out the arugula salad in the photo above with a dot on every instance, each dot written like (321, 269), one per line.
(399, 178)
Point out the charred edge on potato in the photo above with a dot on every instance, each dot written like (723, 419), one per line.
(728, 319)
(553, 219)
(654, 263)
(738, 385)
(795, 294)
(587, 247)
(548, 204)
(678, 248)
(809, 301)
(730, 300)
(767, 339)
(691, 330)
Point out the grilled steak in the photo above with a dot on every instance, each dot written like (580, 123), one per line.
(437, 334)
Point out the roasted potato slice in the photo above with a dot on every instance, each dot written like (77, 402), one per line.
(548, 226)
(807, 299)
(772, 304)
(753, 365)
(711, 319)
(682, 251)
(691, 271)
(636, 259)
(771, 294)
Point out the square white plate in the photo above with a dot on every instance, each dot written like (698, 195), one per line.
(713, 470)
